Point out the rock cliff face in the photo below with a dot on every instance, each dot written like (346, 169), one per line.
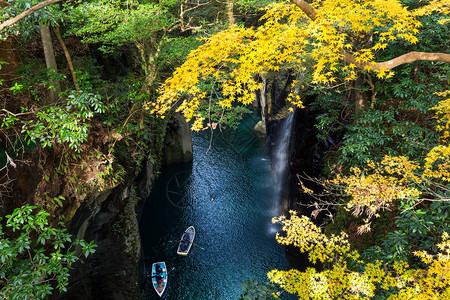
(178, 141)
(109, 218)
(110, 273)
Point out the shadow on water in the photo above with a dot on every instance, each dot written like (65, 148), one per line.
(227, 194)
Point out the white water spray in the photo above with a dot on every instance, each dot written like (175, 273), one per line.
(280, 162)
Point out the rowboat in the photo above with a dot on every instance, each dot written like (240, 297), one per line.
(187, 239)
(159, 280)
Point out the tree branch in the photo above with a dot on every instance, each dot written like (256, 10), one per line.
(386, 65)
(412, 57)
(399, 60)
(306, 8)
(26, 13)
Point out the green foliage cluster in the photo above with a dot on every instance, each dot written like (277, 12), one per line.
(400, 122)
(50, 15)
(384, 131)
(251, 6)
(416, 229)
(65, 124)
(35, 257)
(174, 52)
(114, 24)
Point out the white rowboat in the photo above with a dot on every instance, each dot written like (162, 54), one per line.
(187, 239)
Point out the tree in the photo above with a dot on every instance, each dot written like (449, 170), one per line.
(24, 21)
(344, 37)
(35, 257)
(349, 276)
(26, 13)
(145, 25)
(50, 60)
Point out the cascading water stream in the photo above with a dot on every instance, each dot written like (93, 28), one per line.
(280, 163)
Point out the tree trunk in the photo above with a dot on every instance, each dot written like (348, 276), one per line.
(50, 60)
(230, 13)
(8, 54)
(67, 55)
(361, 97)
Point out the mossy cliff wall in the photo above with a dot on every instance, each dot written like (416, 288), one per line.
(109, 218)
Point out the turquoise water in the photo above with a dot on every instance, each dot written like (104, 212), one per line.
(234, 235)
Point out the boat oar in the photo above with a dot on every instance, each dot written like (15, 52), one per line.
(198, 246)
(192, 243)
(148, 275)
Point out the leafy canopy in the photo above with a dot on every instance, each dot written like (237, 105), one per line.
(113, 23)
(289, 40)
(349, 276)
(33, 255)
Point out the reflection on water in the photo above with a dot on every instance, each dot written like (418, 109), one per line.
(227, 194)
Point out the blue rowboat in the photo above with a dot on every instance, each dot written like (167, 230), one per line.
(159, 281)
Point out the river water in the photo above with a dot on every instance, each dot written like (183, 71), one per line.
(229, 195)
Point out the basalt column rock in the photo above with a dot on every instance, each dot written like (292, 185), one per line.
(112, 271)
(178, 141)
(109, 219)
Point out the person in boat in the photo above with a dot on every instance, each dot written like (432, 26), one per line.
(183, 246)
(158, 269)
(186, 238)
(158, 278)
(158, 273)
(184, 243)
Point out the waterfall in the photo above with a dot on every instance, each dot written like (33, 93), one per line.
(280, 163)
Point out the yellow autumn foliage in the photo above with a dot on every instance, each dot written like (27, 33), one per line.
(360, 279)
(234, 58)
(442, 6)
(379, 185)
(437, 161)
(376, 187)
(382, 184)
(304, 234)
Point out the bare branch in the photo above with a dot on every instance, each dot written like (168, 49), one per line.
(68, 58)
(10, 161)
(400, 60)
(412, 57)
